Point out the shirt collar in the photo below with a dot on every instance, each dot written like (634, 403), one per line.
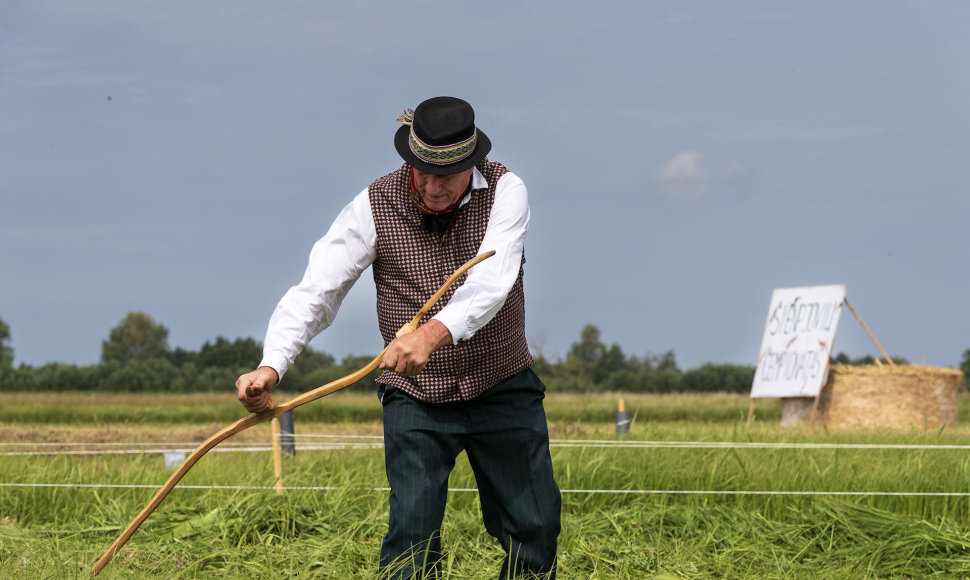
(478, 182)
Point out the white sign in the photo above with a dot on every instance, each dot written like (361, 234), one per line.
(797, 343)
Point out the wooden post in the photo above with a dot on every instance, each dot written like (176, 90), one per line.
(750, 412)
(277, 456)
(866, 328)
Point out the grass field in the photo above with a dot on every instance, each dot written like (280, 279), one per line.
(687, 511)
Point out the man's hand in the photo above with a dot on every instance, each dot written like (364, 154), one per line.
(253, 389)
(407, 355)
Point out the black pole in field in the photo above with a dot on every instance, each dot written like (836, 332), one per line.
(286, 433)
(622, 419)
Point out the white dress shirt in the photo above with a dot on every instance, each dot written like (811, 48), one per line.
(339, 258)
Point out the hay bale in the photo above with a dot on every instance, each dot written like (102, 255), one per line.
(876, 397)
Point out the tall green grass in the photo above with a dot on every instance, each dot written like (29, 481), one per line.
(59, 532)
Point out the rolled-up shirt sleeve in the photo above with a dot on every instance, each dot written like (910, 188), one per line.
(488, 284)
(336, 262)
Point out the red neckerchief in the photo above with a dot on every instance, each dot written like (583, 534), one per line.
(416, 197)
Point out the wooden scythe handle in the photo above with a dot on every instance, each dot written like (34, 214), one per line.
(257, 418)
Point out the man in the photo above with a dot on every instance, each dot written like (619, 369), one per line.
(463, 379)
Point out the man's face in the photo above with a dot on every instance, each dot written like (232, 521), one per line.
(439, 192)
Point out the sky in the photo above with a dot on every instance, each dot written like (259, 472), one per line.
(683, 160)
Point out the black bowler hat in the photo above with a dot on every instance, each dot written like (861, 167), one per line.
(440, 137)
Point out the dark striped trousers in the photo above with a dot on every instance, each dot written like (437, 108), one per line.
(504, 433)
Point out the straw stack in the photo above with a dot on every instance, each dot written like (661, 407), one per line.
(878, 397)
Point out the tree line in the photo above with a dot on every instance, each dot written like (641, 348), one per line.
(136, 357)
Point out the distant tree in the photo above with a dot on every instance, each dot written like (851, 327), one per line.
(324, 374)
(17, 379)
(152, 375)
(6, 351)
(591, 365)
(211, 379)
(181, 357)
(137, 336)
(725, 378)
(612, 361)
(582, 357)
(667, 381)
(240, 353)
(307, 362)
(844, 359)
(310, 360)
(667, 362)
(60, 377)
(589, 348)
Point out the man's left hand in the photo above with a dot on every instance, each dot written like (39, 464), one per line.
(407, 355)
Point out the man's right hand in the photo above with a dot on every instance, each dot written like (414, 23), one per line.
(253, 389)
(409, 353)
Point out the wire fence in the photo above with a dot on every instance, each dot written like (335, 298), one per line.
(337, 442)
(348, 442)
(473, 490)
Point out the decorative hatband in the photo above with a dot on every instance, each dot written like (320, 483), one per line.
(437, 154)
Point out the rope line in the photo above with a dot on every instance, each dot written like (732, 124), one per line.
(473, 490)
(114, 444)
(748, 445)
(559, 443)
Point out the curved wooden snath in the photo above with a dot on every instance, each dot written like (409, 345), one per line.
(276, 411)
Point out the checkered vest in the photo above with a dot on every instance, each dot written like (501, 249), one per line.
(412, 264)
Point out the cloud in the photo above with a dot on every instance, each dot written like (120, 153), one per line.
(684, 178)
(688, 178)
